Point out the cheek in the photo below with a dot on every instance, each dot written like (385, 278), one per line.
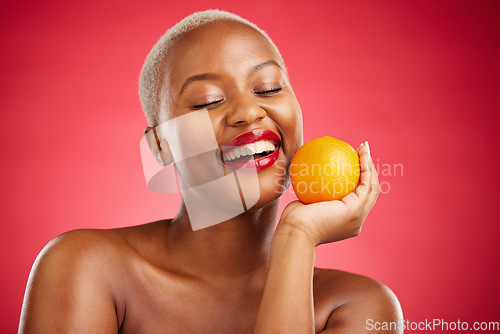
(289, 119)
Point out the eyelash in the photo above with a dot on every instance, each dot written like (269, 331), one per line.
(270, 91)
(201, 106)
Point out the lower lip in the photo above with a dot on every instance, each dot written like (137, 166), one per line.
(254, 165)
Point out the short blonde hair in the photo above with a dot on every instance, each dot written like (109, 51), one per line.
(150, 80)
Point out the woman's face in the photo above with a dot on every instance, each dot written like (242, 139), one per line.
(232, 71)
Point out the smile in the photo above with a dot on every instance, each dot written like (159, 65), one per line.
(251, 151)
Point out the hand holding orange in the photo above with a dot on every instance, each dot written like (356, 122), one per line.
(324, 169)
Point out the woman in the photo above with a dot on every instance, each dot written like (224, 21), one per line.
(237, 275)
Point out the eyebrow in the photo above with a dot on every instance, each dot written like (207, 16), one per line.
(198, 77)
(264, 64)
(211, 76)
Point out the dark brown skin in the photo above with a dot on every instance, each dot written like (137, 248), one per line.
(239, 276)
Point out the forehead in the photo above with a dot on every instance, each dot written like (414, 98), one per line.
(222, 47)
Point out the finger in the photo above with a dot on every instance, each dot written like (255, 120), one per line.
(289, 208)
(364, 165)
(363, 149)
(357, 150)
(374, 176)
(365, 180)
(352, 201)
(292, 205)
(375, 185)
(357, 200)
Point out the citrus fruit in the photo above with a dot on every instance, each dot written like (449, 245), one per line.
(324, 169)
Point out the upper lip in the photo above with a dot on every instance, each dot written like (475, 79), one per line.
(252, 137)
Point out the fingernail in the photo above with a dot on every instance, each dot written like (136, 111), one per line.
(367, 146)
(360, 146)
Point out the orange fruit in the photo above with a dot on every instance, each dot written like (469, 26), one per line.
(324, 169)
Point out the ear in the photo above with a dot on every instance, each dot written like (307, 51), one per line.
(158, 146)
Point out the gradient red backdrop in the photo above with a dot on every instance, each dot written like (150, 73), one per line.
(418, 80)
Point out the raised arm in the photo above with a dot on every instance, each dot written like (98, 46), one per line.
(287, 304)
(68, 291)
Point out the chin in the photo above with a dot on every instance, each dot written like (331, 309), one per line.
(273, 182)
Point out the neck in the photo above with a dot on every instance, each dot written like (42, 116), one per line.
(237, 247)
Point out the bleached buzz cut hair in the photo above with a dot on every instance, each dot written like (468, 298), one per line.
(151, 77)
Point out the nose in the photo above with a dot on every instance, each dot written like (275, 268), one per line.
(247, 111)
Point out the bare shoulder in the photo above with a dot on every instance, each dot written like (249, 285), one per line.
(73, 285)
(78, 252)
(87, 250)
(80, 244)
(354, 303)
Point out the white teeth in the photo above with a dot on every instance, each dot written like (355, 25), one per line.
(239, 152)
(250, 149)
(259, 146)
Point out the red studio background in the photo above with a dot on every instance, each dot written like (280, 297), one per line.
(419, 80)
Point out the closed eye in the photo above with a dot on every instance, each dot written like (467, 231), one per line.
(269, 91)
(201, 106)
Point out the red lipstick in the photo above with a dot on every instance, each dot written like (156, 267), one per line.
(264, 141)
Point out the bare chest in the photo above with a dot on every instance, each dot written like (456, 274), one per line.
(157, 301)
(174, 305)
